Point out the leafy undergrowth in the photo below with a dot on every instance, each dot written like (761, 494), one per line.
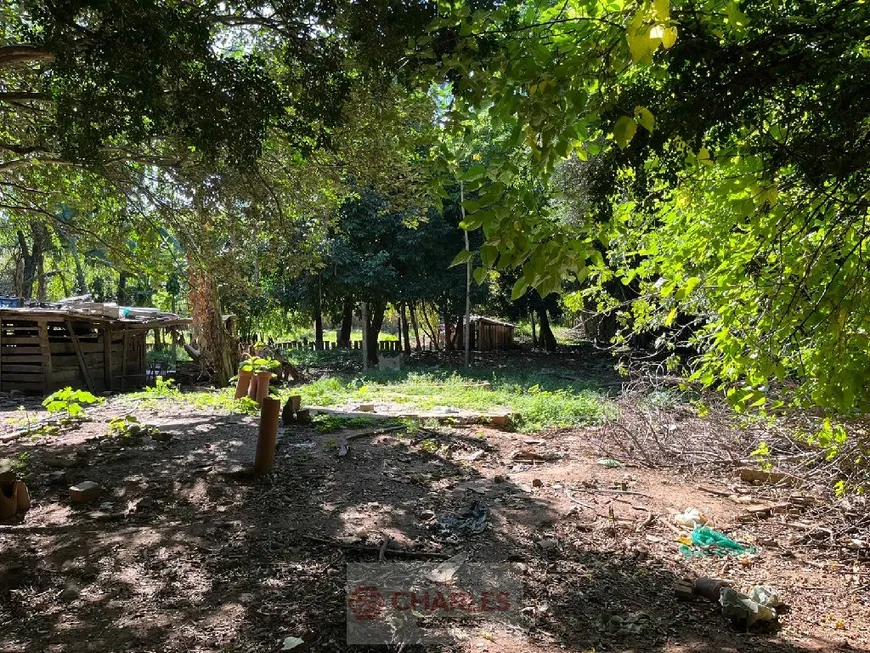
(539, 402)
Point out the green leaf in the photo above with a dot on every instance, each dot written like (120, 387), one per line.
(519, 288)
(669, 320)
(645, 117)
(473, 173)
(662, 9)
(488, 255)
(462, 257)
(624, 131)
(669, 37)
(479, 275)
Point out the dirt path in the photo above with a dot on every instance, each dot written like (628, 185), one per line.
(187, 552)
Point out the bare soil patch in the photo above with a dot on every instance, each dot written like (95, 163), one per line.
(188, 552)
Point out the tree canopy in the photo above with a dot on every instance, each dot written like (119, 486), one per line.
(697, 170)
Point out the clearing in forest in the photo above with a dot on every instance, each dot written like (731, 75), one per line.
(186, 551)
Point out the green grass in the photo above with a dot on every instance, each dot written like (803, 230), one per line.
(539, 402)
(219, 399)
(329, 335)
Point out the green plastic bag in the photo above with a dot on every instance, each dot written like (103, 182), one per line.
(708, 542)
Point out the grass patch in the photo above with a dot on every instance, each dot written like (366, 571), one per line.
(331, 423)
(221, 399)
(540, 401)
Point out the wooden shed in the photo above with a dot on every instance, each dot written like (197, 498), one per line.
(487, 334)
(45, 349)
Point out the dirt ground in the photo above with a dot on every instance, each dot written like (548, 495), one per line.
(188, 552)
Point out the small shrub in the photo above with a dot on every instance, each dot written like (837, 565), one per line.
(70, 401)
(429, 446)
(163, 388)
(128, 426)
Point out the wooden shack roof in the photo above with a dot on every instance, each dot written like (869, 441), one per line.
(489, 320)
(151, 319)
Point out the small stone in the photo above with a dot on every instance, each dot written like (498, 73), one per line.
(161, 436)
(7, 473)
(548, 544)
(427, 515)
(68, 595)
(86, 491)
(58, 476)
(537, 483)
(16, 393)
(366, 408)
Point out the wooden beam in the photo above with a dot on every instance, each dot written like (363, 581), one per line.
(44, 353)
(107, 358)
(82, 363)
(124, 360)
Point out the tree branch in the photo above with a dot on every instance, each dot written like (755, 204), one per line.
(11, 55)
(24, 96)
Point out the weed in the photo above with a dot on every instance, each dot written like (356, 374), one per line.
(20, 464)
(762, 455)
(70, 401)
(429, 446)
(163, 388)
(330, 445)
(128, 426)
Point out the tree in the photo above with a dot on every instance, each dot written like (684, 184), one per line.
(733, 138)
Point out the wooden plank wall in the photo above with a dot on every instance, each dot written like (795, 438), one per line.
(39, 357)
(21, 356)
(486, 336)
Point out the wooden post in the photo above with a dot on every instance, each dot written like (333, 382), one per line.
(124, 359)
(173, 339)
(89, 381)
(267, 437)
(108, 377)
(45, 352)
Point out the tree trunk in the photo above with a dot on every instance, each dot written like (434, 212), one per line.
(534, 332)
(433, 333)
(34, 260)
(41, 294)
(81, 284)
(548, 340)
(467, 331)
(413, 312)
(364, 313)
(26, 289)
(449, 335)
(375, 322)
(121, 296)
(346, 322)
(403, 321)
(216, 346)
(318, 319)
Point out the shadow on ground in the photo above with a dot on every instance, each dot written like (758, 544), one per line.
(189, 552)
